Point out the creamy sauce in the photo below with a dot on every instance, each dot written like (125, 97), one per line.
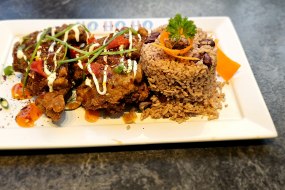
(66, 36)
(130, 39)
(39, 36)
(51, 78)
(79, 63)
(103, 92)
(135, 68)
(76, 32)
(105, 58)
(20, 54)
(129, 68)
(92, 47)
(51, 47)
(53, 31)
(88, 82)
(47, 72)
(121, 48)
(87, 36)
(54, 57)
(140, 38)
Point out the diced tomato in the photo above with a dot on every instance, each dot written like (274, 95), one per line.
(97, 68)
(37, 66)
(120, 40)
(91, 39)
(72, 53)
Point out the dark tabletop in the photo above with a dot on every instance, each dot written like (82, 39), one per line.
(258, 164)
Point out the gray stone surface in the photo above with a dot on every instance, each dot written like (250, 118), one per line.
(219, 165)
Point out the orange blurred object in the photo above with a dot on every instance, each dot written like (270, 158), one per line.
(17, 92)
(92, 116)
(28, 115)
(226, 67)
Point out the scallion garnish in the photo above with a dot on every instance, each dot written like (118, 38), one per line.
(66, 44)
(119, 69)
(4, 103)
(65, 30)
(32, 58)
(8, 70)
(104, 46)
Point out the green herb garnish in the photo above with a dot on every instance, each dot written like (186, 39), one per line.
(65, 44)
(32, 57)
(179, 27)
(4, 103)
(100, 50)
(8, 70)
(119, 69)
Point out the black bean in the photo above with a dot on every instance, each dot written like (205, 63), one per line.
(207, 59)
(152, 37)
(206, 42)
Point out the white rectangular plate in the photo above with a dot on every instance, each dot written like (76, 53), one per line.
(245, 117)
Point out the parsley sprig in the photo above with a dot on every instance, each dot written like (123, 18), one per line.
(179, 27)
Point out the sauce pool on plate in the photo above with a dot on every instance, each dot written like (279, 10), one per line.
(17, 92)
(28, 115)
(92, 116)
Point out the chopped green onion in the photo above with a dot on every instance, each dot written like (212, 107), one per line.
(32, 58)
(8, 70)
(30, 46)
(104, 46)
(65, 30)
(86, 29)
(134, 31)
(117, 52)
(119, 69)
(65, 52)
(4, 103)
(66, 44)
(103, 53)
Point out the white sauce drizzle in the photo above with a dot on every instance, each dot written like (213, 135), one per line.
(105, 40)
(39, 36)
(53, 31)
(105, 58)
(39, 52)
(140, 37)
(54, 57)
(47, 72)
(129, 68)
(87, 36)
(51, 47)
(135, 68)
(130, 39)
(88, 82)
(92, 47)
(76, 31)
(96, 81)
(20, 54)
(51, 76)
(66, 36)
(79, 63)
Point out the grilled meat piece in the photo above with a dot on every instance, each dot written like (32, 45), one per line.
(52, 104)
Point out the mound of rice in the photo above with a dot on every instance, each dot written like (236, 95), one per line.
(182, 88)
